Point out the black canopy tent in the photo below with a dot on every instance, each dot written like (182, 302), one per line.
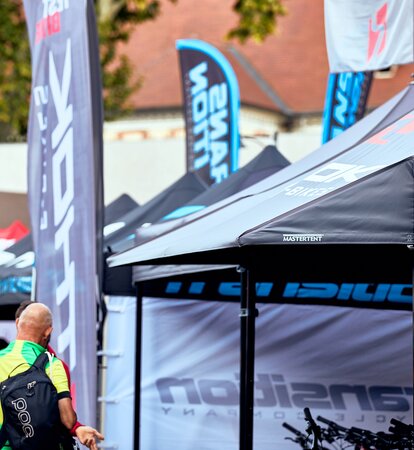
(350, 202)
(183, 190)
(379, 119)
(16, 279)
(173, 206)
(16, 262)
(119, 207)
(267, 162)
(122, 216)
(189, 190)
(119, 282)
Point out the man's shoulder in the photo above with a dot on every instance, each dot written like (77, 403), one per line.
(20, 345)
(18, 356)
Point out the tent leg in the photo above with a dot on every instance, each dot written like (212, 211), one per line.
(247, 347)
(138, 352)
(243, 334)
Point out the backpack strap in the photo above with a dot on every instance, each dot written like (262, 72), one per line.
(3, 432)
(40, 363)
(42, 360)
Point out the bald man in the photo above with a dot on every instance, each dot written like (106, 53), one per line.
(23, 305)
(34, 328)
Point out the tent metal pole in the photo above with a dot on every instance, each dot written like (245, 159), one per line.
(250, 357)
(138, 353)
(247, 348)
(243, 334)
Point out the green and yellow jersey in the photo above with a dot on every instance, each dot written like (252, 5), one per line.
(18, 356)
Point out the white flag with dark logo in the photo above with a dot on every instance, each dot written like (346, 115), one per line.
(366, 35)
(65, 182)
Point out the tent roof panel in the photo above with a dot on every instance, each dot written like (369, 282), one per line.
(222, 228)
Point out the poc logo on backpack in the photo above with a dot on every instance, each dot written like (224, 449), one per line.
(20, 406)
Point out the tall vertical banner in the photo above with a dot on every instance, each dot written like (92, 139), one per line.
(211, 109)
(369, 34)
(65, 182)
(345, 101)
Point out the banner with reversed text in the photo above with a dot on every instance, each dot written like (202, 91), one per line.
(211, 109)
(65, 182)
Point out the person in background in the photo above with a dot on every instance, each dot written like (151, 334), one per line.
(34, 328)
(3, 343)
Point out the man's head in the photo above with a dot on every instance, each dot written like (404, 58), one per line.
(35, 324)
(23, 305)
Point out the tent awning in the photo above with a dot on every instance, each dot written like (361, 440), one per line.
(362, 196)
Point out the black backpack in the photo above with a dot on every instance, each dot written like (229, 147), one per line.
(31, 419)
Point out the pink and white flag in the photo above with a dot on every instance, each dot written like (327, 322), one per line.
(10, 235)
(364, 35)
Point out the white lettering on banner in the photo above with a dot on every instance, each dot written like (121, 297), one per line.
(63, 159)
(303, 191)
(330, 173)
(51, 7)
(210, 115)
(66, 289)
(197, 77)
(40, 95)
(41, 98)
(64, 212)
(64, 111)
(335, 171)
(303, 237)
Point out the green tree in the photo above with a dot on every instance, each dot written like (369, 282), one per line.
(257, 19)
(115, 19)
(15, 71)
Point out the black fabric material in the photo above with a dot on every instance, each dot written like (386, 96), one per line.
(120, 206)
(267, 162)
(118, 280)
(182, 191)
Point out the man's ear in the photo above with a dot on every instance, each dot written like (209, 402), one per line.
(47, 332)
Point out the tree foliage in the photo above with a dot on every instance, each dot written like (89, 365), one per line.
(15, 70)
(257, 19)
(115, 19)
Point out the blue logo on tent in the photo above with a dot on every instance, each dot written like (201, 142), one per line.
(16, 284)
